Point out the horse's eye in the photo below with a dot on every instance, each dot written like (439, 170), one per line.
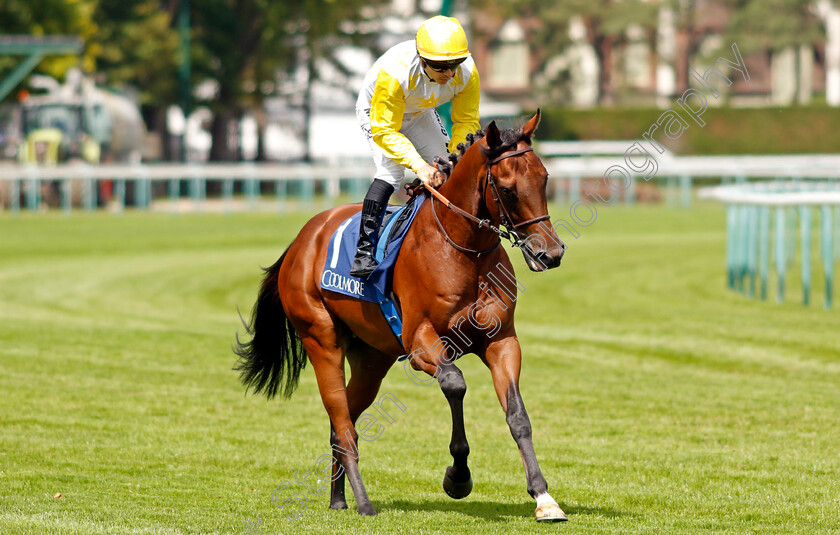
(508, 192)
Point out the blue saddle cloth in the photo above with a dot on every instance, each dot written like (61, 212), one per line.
(377, 288)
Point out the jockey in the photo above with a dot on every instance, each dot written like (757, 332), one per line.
(396, 110)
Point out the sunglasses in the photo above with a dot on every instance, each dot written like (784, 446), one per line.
(443, 66)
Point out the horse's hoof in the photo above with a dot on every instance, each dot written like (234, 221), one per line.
(338, 505)
(367, 510)
(456, 490)
(550, 512)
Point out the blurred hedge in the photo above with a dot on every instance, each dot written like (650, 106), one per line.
(787, 130)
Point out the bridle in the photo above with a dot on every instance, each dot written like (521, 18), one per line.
(510, 234)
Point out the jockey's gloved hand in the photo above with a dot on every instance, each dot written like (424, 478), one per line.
(430, 175)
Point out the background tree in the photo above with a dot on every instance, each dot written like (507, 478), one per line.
(774, 26)
(317, 29)
(235, 43)
(137, 47)
(242, 45)
(685, 42)
(606, 23)
(239, 48)
(50, 17)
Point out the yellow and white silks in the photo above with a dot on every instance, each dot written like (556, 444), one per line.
(396, 110)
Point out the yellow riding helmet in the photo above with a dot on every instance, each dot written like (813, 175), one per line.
(442, 39)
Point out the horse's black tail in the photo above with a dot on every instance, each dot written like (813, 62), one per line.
(275, 356)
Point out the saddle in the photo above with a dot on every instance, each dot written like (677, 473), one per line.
(377, 288)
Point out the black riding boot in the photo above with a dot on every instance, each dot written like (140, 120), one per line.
(372, 209)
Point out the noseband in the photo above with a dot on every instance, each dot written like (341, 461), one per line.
(511, 233)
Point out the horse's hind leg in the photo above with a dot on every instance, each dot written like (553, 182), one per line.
(367, 369)
(326, 355)
(337, 499)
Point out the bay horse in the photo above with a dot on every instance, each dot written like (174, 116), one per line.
(443, 270)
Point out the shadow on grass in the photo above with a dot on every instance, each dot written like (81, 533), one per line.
(493, 511)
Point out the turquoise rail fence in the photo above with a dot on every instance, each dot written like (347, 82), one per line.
(765, 219)
(614, 169)
(184, 187)
(577, 166)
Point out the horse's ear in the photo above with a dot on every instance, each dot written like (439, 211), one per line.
(531, 126)
(494, 137)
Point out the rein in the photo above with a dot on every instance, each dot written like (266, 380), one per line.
(510, 234)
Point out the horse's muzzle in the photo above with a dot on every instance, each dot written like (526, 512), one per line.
(543, 260)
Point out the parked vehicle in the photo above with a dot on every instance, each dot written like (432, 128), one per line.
(79, 120)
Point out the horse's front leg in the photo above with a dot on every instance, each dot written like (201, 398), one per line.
(429, 356)
(457, 482)
(504, 356)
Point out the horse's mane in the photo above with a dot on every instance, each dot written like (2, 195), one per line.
(509, 138)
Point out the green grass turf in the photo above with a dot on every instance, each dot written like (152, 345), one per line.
(661, 402)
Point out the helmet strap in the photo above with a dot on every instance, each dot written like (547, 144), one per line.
(423, 64)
